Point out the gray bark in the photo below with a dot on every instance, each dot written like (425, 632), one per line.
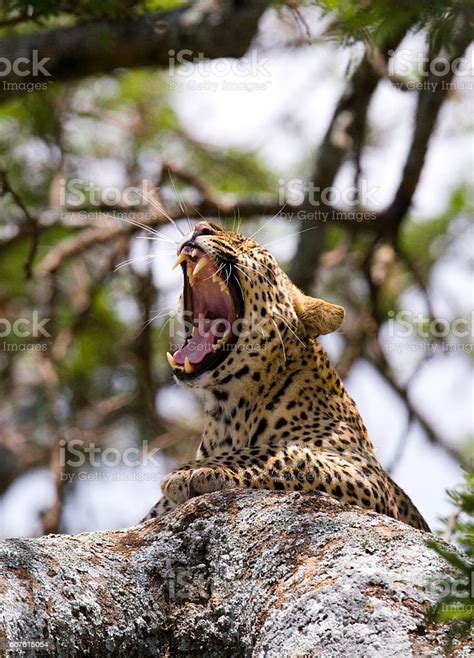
(213, 28)
(228, 574)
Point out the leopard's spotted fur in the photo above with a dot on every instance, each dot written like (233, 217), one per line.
(277, 414)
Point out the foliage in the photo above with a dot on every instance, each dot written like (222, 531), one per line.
(22, 11)
(377, 19)
(456, 607)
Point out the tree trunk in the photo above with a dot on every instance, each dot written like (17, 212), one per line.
(227, 574)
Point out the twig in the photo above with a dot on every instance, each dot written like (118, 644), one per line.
(51, 519)
(299, 19)
(32, 222)
(433, 437)
(418, 276)
(170, 169)
(379, 63)
(401, 445)
(430, 100)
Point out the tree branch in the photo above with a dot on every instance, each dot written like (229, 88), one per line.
(348, 121)
(347, 125)
(435, 90)
(206, 28)
(227, 574)
(32, 222)
(382, 366)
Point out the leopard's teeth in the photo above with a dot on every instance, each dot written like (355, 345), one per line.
(222, 284)
(171, 360)
(223, 288)
(194, 253)
(188, 366)
(181, 258)
(222, 341)
(191, 277)
(202, 262)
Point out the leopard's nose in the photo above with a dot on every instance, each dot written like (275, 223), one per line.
(204, 228)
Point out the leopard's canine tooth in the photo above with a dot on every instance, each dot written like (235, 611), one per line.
(224, 288)
(188, 366)
(171, 360)
(181, 258)
(202, 262)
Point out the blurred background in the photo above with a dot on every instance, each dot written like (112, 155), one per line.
(342, 133)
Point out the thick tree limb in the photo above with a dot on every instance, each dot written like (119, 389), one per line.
(212, 28)
(228, 574)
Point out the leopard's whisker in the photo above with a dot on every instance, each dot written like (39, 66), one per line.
(149, 321)
(144, 227)
(267, 223)
(289, 327)
(246, 276)
(179, 199)
(159, 206)
(238, 282)
(292, 235)
(256, 272)
(146, 237)
(281, 339)
(136, 259)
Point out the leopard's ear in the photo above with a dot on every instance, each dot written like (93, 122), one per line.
(318, 317)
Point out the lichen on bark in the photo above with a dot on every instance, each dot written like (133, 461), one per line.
(228, 574)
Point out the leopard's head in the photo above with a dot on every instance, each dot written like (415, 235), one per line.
(240, 310)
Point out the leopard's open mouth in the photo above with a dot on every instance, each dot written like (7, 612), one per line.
(213, 302)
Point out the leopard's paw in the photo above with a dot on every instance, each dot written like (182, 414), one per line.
(205, 480)
(182, 484)
(175, 485)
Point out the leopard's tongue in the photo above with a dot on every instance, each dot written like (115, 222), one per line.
(205, 335)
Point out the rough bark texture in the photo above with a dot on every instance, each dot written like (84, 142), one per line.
(228, 574)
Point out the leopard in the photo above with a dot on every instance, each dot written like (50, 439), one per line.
(277, 414)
